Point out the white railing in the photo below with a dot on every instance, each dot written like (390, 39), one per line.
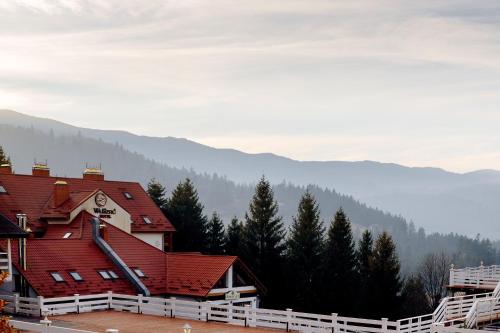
(202, 311)
(486, 277)
(4, 262)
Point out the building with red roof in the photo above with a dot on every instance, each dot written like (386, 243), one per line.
(89, 235)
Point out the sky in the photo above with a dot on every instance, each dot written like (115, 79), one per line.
(410, 82)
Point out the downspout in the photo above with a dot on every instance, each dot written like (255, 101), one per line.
(113, 256)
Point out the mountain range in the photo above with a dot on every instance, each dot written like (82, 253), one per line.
(436, 199)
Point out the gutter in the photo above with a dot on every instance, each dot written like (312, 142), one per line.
(115, 258)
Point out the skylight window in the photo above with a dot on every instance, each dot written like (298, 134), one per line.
(146, 220)
(2, 189)
(139, 273)
(128, 195)
(76, 276)
(57, 277)
(105, 275)
(67, 235)
(113, 275)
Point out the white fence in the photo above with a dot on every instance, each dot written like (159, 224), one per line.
(42, 328)
(486, 277)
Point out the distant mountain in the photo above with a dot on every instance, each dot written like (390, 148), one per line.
(433, 198)
(67, 155)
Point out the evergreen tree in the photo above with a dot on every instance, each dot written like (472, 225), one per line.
(364, 256)
(341, 278)
(385, 279)
(185, 212)
(263, 239)
(215, 235)
(234, 235)
(156, 192)
(414, 299)
(4, 159)
(305, 253)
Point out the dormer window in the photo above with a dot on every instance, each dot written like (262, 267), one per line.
(2, 189)
(67, 235)
(128, 196)
(77, 277)
(57, 277)
(105, 275)
(139, 273)
(147, 220)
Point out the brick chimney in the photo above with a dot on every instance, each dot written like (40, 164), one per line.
(5, 169)
(93, 174)
(40, 170)
(61, 192)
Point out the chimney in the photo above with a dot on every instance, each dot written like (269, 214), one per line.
(5, 169)
(40, 170)
(61, 192)
(93, 174)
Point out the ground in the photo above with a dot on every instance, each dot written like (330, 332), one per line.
(135, 323)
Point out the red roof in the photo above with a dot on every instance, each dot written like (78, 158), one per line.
(32, 195)
(195, 274)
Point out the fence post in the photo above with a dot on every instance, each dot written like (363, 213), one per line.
(110, 300)
(254, 317)
(203, 311)
(288, 319)
(40, 304)
(334, 322)
(172, 309)
(77, 302)
(384, 324)
(46, 324)
(16, 303)
(139, 303)
(247, 314)
(452, 275)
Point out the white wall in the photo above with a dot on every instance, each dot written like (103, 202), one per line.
(152, 238)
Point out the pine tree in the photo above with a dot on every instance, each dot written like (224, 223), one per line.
(385, 279)
(215, 235)
(156, 192)
(234, 236)
(264, 241)
(305, 253)
(185, 212)
(4, 159)
(340, 279)
(364, 256)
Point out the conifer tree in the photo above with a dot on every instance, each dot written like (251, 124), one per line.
(156, 191)
(234, 236)
(414, 298)
(341, 278)
(385, 279)
(364, 256)
(263, 239)
(4, 159)
(305, 253)
(215, 235)
(185, 212)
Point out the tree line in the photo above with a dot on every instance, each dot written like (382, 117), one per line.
(309, 267)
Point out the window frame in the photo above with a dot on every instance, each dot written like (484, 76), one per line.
(72, 274)
(67, 235)
(113, 275)
(104, 274)
(3, 190)
(146, 219)
(128, 195)
(139, 272)
(57, 277)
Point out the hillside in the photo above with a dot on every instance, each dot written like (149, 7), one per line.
(67, 156)
(435, 199)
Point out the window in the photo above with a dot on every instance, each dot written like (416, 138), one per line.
(57, 277)
(76, 276)
(105, 275)
(67, 235)
(2, 189)
(128, 195)
(113, 275)
(146, 220)
(139, 273)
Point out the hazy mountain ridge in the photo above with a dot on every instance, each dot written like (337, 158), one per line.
(434, 198)
(67, 156)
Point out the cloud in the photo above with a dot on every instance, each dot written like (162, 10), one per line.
(359, 69)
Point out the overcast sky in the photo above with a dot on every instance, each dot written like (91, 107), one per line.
(411, 82)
